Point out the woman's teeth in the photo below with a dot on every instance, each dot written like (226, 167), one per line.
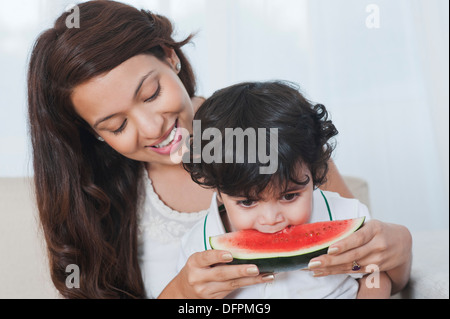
(168, 140)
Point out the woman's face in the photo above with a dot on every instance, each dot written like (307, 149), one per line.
(140, 108)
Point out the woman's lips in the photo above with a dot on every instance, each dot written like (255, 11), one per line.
(172, 146)
(164, 136)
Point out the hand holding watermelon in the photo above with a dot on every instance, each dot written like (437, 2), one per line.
(389, 246)
(206, 275)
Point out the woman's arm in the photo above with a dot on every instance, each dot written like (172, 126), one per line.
(381, 289)
(335, 182)
(387, 245)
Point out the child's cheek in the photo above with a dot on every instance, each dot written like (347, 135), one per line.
(305, 218)
(240, 220)
(301, 216)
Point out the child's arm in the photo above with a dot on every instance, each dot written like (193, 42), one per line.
(367, 289)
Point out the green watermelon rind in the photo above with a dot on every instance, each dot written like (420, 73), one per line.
(276, 262)
(281, 264)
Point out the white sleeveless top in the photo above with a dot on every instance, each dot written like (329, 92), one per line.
(160, 230)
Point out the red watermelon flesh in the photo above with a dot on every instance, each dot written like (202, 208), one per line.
(305, 240)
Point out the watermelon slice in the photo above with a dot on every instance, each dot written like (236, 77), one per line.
(288, 249)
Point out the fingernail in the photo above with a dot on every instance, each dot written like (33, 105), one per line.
(269, 277)
(318, 273)
(314, 264)
(227, 257)
(332, 250)
(252, 270)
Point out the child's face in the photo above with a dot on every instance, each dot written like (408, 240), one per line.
(273, 212)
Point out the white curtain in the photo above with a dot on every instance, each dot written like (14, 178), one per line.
(381, 68)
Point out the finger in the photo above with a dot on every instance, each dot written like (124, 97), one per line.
(216, 260)
(221, 289)
(247, 281)
(336, 261)
(346, 268)
(357, 239)
(343, 263)
(231, 272)
(219, 281)
(210, 257)
(356, 254)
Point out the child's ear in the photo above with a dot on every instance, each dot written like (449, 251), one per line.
(219, 198)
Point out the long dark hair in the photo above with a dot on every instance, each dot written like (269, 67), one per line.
(305, 135)
(88, 194)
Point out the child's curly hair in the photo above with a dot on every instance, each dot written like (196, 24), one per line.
(304, 133)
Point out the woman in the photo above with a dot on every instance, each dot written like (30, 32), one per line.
(106, 104)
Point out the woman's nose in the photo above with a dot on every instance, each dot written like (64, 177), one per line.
(150, 125)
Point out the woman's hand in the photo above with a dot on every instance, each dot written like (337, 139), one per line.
(206, 275)
(388, 246)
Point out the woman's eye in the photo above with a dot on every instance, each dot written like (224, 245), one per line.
(290, 197)
(121, 128)
(154, 96)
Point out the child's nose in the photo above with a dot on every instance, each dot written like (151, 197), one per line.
(272, 215)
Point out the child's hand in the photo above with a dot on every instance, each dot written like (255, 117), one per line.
(388, 246)
(206, 275)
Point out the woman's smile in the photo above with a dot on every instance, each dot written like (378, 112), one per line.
(169, 142)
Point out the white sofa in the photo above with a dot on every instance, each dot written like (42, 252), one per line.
(23, 266)
(24, 270)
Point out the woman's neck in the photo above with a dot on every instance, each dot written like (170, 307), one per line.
(176, 189)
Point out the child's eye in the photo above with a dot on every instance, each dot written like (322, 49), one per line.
(246, 203)
(290, 197)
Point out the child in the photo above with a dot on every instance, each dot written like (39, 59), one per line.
(270, 202)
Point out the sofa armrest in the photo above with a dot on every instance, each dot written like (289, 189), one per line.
(430, 266)
(359, 188)
(24, 263)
